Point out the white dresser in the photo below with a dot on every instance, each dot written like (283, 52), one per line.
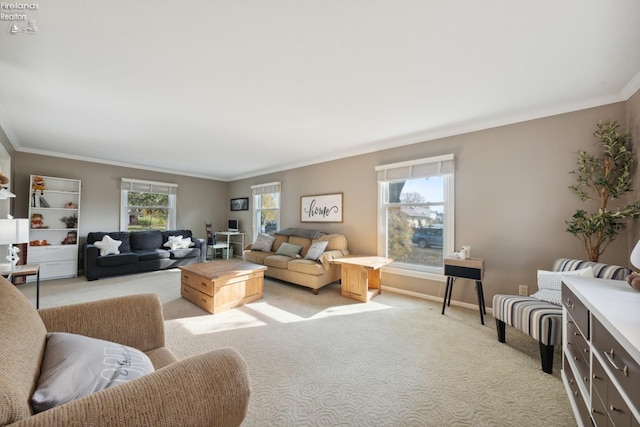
(601, 351)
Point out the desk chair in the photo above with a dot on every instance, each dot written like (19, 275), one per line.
(211, 242)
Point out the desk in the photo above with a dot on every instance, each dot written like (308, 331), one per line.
(360, 276)
(23, 271)
(470, 268)
(232, 238)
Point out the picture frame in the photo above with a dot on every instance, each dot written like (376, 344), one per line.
(240, 204)
(321, 208)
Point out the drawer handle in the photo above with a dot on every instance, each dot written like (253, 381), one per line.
(613, 408)
(595, 411)
(610, 355)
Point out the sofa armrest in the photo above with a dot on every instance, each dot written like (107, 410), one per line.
(134, 320)
(326, 257)
(211, 389)
(90, 261)
(202, 244)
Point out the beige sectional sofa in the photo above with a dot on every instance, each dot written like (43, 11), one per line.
(311, 273)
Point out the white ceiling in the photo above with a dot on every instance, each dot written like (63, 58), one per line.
(227, 89)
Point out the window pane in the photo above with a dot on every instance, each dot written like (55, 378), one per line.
(267, 212)
(147, 211)
(415, 222)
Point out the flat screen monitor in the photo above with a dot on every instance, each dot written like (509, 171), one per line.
(233, 225)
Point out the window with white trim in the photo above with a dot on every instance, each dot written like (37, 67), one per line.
(147, 205)
(416, 212)
(266, 208)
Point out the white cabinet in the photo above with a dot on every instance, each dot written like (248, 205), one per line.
(54, 212)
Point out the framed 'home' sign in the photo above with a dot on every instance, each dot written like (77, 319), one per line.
(321, 208)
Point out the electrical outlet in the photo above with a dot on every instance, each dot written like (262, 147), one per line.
(524, 290)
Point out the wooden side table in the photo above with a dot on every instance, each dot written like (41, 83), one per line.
(470, 268)
(23, 271)
(360, 276)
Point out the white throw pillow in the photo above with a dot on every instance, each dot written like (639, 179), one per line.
(178, 242)
(316, 249)
(550, 283)
(263, 243)
(75, 365)
(108, 246)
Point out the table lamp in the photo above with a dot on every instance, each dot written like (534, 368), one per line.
(13, 231)
(635, 256)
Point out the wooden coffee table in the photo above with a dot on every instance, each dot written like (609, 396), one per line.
(220, 285)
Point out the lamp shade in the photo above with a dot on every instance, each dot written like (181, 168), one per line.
(635, 256)
(14, 231)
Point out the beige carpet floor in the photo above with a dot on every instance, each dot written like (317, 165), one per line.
(330, 361)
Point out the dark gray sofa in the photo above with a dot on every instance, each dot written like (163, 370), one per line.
(140, 251)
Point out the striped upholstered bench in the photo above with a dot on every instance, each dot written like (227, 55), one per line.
(542, 319)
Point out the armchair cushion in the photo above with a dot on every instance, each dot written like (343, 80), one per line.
(74, 366)
(550, 283)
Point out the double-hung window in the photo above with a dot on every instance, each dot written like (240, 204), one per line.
(266, 207)
(147, 205)
(416, 213)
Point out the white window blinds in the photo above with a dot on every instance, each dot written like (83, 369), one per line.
(268, 188)
(140, 186)
(421, 168)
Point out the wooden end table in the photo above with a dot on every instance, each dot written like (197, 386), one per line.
(23, 271)
(360, 276)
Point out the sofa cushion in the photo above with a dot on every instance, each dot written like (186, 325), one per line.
(316, 249)
(288, 249)
(257, 257)
(337, 242)
(145, 240)
(263, 243)
(184, 253)
(305, 266)
(301, 241)
(151, 254)
(119, 259)
(278, 261)
(74, 366)
(108, 246)
(279, 241)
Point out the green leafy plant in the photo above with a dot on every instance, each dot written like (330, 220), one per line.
(71, 221)
(601, 179)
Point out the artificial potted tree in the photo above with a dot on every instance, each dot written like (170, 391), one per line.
(603, 178)
(71, 221)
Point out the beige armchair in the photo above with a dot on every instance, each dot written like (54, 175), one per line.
(211, 389)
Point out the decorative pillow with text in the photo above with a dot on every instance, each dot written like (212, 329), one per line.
(75, 366)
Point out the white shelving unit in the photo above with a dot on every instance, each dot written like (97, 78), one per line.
(60, 198)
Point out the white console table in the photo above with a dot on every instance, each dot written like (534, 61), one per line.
(601, 348)
(233, 239)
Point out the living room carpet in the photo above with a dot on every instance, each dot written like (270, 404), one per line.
(325, 360)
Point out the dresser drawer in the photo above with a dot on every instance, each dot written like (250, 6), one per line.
(577, 345)
(576, 395)
(197, 282)
(56, 270)
(200, 299)
(617, 362)
(40, 254)
(577, 311)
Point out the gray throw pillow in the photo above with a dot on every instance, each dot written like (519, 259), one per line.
(75, 366)
(316, 249)
(289, 250)
(263, 243)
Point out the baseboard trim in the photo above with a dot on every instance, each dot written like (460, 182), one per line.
(434, 298)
